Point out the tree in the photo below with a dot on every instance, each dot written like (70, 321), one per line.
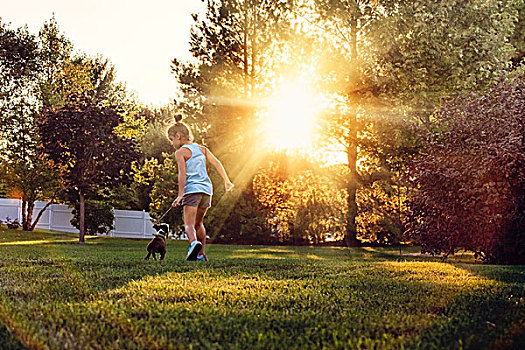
(24, 166)
(40, 72)
(518, 38)
(471, 176)
(389, 144)
(237, 47)
(80, 139)
(57, 78)
(319, 208)
(344, 27)
(403, 57)
(99, 217)
(272, 189)
(31, 175)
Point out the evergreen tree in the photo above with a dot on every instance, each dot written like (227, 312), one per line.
(236, 50)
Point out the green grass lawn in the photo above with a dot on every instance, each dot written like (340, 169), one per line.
(57, 294)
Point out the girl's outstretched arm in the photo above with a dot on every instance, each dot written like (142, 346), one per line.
(218, 165)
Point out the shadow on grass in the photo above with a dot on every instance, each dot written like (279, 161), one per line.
(476, 321)
(486, 312)
(505, 274)
(410, 253)
(362, 254)
(8, 341)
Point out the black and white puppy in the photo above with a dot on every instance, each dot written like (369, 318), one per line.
(158, 243)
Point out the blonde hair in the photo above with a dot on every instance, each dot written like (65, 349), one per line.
(181, 128)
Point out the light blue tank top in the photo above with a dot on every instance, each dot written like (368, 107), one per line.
(197, 179)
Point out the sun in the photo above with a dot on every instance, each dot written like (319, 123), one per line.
(289, 117)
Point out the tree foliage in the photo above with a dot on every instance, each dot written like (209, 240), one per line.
(19, 61)
(24, 166)
(388, 143)
(302, 206)
(160, 176)
(518, 37)
(319, 209)
(274, 193)
(154, 141)
(243, 219)
(428, 49)
(401, 57)
(80, 139)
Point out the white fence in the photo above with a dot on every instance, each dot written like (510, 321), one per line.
(128, 223)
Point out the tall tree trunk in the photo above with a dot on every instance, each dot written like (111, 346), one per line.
(253, 50)
(82, 217)
(351, 214)
(245, 50)
(351, 229)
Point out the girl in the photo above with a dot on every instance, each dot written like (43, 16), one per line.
(195, 189)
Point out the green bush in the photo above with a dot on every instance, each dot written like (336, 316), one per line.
(99, 217)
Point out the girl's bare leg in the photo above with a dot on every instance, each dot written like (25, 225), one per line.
(190, 214)
(199, 227)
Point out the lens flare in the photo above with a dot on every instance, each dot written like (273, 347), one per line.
(289, 117)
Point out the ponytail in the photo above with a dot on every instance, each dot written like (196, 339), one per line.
(181, 128)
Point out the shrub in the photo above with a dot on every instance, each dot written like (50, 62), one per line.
(241, 220)
(99, 217)
(471, 176)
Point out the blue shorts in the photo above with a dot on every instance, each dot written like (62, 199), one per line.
(199, 200)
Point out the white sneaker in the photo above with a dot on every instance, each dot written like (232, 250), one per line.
(202, 257)
(193, 250)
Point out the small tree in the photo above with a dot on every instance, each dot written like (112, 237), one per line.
(272, 189)
(471, 177)
(240, 218)
(319, 208)
(80, 139)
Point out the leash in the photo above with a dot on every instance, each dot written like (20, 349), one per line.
(163, 215)
(158, 222)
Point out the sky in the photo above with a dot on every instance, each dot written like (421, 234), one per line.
(140, 37)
